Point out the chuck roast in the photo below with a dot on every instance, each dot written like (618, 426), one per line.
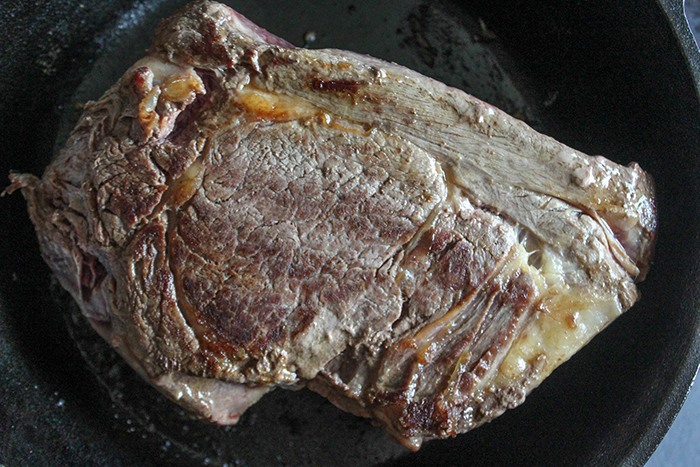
(237, 215)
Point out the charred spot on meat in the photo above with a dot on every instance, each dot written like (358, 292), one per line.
(237, 215)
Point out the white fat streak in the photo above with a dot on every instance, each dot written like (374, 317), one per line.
(568, 318)
(162, 70)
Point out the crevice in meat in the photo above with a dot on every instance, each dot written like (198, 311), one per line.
(92, 273)
(184, 127)
(533, 247)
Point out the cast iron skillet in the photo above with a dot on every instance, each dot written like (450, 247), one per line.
(615, 78)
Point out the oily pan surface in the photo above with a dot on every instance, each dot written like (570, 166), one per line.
(619, 383)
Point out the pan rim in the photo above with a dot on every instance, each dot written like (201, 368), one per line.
(647, 442)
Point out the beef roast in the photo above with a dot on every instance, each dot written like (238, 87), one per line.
(237, 215)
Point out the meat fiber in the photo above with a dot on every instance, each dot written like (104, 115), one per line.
(237, 215)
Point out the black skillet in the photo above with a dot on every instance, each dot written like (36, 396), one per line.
(615, 78)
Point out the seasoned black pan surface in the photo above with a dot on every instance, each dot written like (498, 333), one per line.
(619, 80)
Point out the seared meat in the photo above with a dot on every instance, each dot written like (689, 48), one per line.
(236, 215)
